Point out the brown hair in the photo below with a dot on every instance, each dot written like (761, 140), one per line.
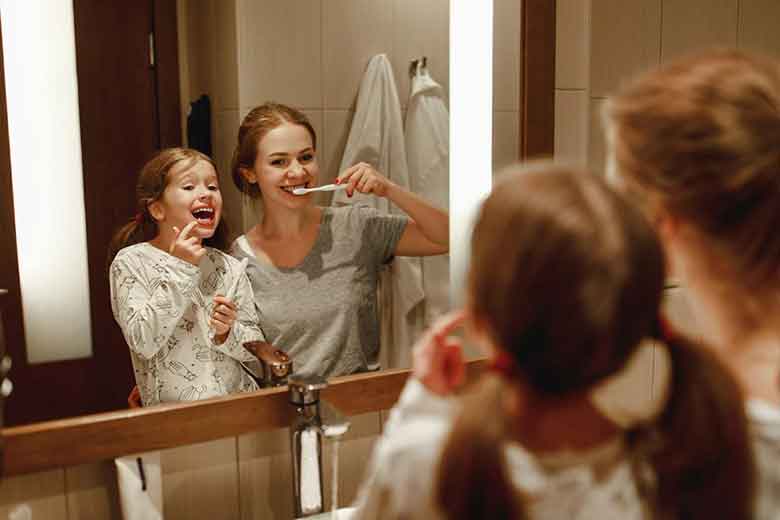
(152, 181)
(702, 136)
(258, 122)
(568, 278)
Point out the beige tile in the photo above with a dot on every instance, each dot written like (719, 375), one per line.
(695, 24)
(201, 45)
(42, 494)
(572, 123)
(337, 125)
(201, 481)
(596, 141)
(92, 492)
(352, 32)
(354, 454)
(572, 40)
(758, 26)
(226, 56)
(625, 38)
(224, 141)
(506, 54)
(678, 309)
(279, 55)
(265, 467)
(421, 29)
(506, 144)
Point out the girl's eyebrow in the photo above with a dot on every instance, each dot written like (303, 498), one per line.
(285, 154)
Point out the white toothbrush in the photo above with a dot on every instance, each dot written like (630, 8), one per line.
(326, 187)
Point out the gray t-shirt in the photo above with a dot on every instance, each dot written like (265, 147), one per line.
(764, 420)
(323, 312)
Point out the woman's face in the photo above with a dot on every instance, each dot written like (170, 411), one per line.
(286, 160)
(192, 194)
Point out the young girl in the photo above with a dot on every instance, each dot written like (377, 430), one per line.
(315, 269)
(564, 290)
(697, 144)
(184, 306)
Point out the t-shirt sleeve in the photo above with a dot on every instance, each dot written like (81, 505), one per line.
(381, 231)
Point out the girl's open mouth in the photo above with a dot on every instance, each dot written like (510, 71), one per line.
(204, 216)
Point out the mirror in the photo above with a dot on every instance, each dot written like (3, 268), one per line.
(236, 58)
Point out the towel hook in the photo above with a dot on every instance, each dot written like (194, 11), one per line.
(418, 65)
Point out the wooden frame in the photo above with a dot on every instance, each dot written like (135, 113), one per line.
(92, 438)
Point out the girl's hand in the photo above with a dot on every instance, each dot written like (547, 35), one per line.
(134, 399)
(364, 178)
(186, 247)
(222, 317)
(438, 357)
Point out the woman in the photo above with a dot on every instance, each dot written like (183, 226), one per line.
(314, 270)
(563, 296)
(697, 143)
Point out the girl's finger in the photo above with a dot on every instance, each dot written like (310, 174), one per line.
(185, 233)
(447, 323)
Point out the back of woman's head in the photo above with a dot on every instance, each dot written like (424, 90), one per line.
(701, 137)
(566, 278)
(152, 181)
(256, 124)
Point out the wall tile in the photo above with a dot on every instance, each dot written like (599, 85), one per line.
(337, 126)
(42, 494)
(92, 492)
(506, 54)
(572, 123)
(201, 43)
(421, 29)
(224, 141)
(265, 467)
(226, 56)
(758, 26)
(572, 40)
(695, 24)
(678, 309)
(279, 54)
(352, 32)
(506, 144)
(201, 481)
(625, 38)
(596, 141)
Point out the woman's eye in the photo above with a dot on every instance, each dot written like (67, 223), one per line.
(278, 162)
(307, 157)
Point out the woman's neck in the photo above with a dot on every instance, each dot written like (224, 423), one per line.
(285, 223)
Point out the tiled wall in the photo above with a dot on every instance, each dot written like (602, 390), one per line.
(311, 54)
(601, 43)
(246, 478)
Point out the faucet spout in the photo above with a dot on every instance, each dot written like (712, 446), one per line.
(314, 419)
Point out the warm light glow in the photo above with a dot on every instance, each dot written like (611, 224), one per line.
(471, 126)
(43, 125)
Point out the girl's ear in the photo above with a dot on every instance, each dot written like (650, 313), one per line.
(248, 175)
(156, 210)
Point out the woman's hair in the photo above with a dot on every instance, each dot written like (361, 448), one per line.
(567, 278)
(701, 136)
(258, 122)
(152, 182)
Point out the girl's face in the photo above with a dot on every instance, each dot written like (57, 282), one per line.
(286, 160)
(192, 194)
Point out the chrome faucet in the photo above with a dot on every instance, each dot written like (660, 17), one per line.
(272, 367)
(314, 419)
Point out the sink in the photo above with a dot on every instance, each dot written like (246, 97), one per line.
(344, 513)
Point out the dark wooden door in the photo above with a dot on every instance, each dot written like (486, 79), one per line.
(129, 107)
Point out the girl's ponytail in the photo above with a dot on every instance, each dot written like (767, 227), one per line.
(704, 462)
(472, 480)
(140, 229)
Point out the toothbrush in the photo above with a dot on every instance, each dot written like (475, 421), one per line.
(326, 187)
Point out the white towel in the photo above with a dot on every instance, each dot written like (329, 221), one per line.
(376, 137)
(140, 486)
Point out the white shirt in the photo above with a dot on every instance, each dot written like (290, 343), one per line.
(163, 304)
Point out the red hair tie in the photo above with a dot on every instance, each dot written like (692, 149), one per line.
(139, 218)
(504, 365)
(665, 329)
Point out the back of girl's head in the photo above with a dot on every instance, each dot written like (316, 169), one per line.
(566, 278)
(555, 246)
(701, 137)
(257, 123)
(152, 181)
